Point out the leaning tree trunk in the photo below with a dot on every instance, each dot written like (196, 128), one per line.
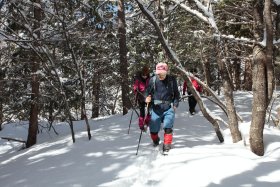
(172, 56)
(123, 58)
(228, 94)
(34, 111)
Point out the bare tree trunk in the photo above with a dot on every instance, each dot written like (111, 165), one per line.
(83, 103)
(269, 49)
(205, 65)
(34, 111)
(123, 58)
(236, 74)
(160, 15)
(1, 113)
(95, 95)
(115, 101)
(79, 68)
(277, 23)
(261, 88)
(161, 25)
(2, 76)
(231, 111)
(247, 79)
(206, 70)
(259, 101)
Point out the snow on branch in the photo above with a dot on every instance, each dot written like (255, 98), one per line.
(276, 42)
(207, 15)
(154, 22)
(191, 11)
(207, 10)
(233, 38)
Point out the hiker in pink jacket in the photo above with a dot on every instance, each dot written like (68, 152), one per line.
(139, 87)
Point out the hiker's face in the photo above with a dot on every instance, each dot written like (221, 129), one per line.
(161, 76)
(144, 76)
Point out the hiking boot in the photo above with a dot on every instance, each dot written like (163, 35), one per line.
(192, 111)
(166, 147)
(155, 138)
(156, 142)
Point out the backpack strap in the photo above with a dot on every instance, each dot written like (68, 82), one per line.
(154, 83)
(169, 83)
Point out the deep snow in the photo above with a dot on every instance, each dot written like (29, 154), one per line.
(197, 159)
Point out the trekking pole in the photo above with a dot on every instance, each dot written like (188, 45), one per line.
(147, 111)
(142, 130)
(132, 112)
(130, 121)
(139, 142)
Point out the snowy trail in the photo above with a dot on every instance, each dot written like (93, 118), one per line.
(197, 159)
(150, 166)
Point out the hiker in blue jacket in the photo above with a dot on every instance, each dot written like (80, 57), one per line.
(163, 95)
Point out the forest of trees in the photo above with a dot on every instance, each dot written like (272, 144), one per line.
(76, 59)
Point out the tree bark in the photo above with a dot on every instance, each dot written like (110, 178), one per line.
(228, 94)
(34, 111)
(123, 58)
(247, 79)
(95, 95)
(2, 75)
(263, 74)
(259, 101)
(205, 65)
(269, 49)
(236, 74)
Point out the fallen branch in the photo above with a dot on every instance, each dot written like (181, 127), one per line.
(13, 139)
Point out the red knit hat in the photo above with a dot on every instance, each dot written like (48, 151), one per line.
(161, 68)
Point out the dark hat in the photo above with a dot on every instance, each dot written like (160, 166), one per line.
(145, 70)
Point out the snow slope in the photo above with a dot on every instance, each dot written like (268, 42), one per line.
(197, 159)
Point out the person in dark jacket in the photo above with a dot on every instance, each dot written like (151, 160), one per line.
(163, 94)
(191, 99)
(139, 87)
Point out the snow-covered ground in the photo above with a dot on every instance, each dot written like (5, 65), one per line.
(197, 159)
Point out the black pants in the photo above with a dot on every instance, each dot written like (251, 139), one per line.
(142, 108)
(192, 104)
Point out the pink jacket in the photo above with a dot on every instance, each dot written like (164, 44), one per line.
(140, 86)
